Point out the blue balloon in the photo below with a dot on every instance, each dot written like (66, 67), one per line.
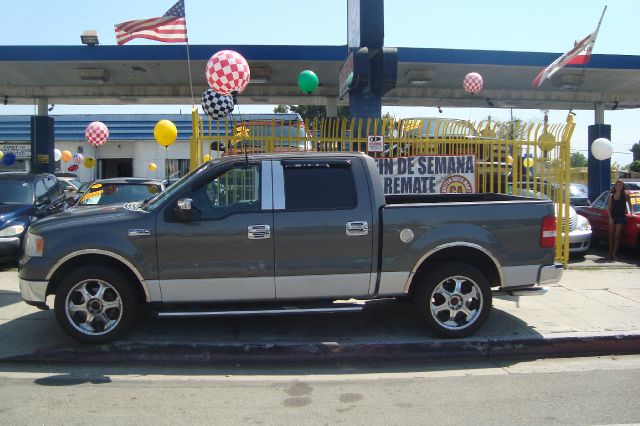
(8, 159)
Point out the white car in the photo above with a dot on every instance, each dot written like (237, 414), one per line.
(579, 227)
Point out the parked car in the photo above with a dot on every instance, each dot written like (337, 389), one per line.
(633, 185)
(73, 197)
(119, 190)
(598, 215)
(579, 227)
(25, 197)
(270, 232)
(69, 185)
(579, 194)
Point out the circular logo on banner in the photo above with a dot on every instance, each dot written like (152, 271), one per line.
(456, 184)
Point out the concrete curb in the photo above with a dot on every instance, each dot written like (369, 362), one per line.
(556, 345)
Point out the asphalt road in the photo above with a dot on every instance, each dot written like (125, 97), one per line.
(554, 391)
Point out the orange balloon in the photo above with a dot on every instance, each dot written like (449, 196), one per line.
(66, 155)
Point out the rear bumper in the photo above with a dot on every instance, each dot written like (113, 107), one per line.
(550, 274)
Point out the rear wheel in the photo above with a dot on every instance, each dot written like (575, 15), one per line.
(454, 300)
(95, 304)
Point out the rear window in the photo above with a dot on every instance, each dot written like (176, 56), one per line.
(319, 186)
(111, 193)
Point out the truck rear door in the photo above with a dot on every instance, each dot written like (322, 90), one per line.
(323, 244)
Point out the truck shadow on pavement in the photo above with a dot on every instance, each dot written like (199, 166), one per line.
(386, 331)
(8, 297)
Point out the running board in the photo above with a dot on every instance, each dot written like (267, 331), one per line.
(526, 291)
(281, 311)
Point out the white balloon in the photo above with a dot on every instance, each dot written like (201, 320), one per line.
(57, 154)
(602, 149)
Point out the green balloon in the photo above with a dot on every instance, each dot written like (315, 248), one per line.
(307, 81)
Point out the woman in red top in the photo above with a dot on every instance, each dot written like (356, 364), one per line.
(618, 200)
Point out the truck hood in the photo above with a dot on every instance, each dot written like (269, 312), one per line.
(88, 216)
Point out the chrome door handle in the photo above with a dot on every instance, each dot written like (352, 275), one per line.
(357, 228)
(259, 232)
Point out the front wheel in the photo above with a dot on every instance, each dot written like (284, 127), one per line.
(95, 304)
(454, 300)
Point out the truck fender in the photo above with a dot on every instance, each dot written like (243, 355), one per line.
(433, 252)
(127, 264)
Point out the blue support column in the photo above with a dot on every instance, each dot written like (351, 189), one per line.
(365, 105)
(42, 140)
(599, 170)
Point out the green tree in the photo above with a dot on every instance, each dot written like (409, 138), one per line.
(578, 159)
(310, 112)
(635, 166)
(635, 149)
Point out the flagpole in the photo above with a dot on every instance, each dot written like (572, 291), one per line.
(190, 79)
(188, 57)
(600, 21)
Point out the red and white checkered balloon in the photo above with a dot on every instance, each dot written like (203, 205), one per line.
(97, 133)
(78, 158)
(472, 83)
(227, 72)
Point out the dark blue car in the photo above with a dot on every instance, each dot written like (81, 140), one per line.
(25, 197)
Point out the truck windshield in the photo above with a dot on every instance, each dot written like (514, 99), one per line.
(15, 192)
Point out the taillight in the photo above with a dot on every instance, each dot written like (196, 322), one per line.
(548, 232)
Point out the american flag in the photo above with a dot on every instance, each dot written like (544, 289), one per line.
(169, 28)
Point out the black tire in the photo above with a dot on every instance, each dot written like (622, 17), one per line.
(114, 310)
(470, 304)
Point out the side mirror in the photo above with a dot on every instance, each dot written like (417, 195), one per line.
(184, 210)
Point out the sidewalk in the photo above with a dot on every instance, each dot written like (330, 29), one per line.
(595, 309)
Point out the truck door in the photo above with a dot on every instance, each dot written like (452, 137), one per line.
(225, 251)
(322, 211)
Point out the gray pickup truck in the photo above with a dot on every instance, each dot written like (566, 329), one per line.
(286, 233)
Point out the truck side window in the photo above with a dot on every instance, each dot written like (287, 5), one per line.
(54, 189)
(41, 192)
(319, 187)
(236, 190)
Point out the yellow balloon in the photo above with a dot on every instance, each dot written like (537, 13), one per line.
(152, 167)
(528, 162)
(509, 160)
(165, 133)
(66, 155)
(1, 155)
(89, 162)
(206, 158)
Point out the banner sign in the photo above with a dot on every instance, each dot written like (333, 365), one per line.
(431, 174)
(22, 151)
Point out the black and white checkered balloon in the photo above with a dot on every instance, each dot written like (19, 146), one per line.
(216, 105)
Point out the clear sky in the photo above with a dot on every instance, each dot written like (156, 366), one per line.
(538, 26)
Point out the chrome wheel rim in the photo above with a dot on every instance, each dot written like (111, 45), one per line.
(456, 302)
(93, 307)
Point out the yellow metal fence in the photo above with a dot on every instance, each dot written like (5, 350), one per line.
(527, 159)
